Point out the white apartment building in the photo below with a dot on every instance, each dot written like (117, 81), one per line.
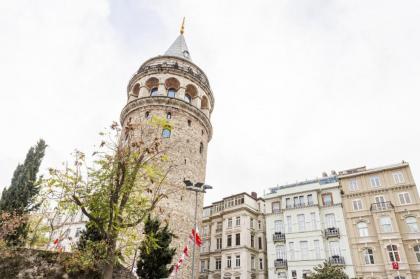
(305, 226)
(233, 234)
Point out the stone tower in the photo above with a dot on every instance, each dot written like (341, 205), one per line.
(171, 86)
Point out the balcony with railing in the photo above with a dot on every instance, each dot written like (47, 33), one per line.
(280, 264)
(381, 206)
(337, 260)
(332, 232)
(279, 237)
(300, 205)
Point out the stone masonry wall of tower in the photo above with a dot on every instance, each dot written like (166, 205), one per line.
(175, 88)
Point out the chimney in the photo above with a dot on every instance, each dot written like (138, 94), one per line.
(254, 195)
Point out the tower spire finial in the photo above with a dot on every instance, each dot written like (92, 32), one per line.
(182, 26)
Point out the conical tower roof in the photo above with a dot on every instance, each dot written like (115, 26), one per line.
(179, 48)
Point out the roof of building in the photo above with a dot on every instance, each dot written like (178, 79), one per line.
(179, 48)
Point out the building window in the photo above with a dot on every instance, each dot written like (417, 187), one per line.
(219, 243)
(386, 224)
(277, 226)
(404, 198)
(275, 207)
(357, 204)
(168, 115)
(335, 248)
(292, 250)
(368, 256)
(295, 201)
(238, 260)
(294, 274)
(261, 264)
(288, 203)
(147, 115)
(301, 222)
(202, 266)
(259, 224)
(218, 264)
(310, 199)
(229, 262)
(412, 224)
(259, 243)
(251, 223)
(398, 177)
(252, 262)
(78, 230)
(289, 223)
(229, 240)
(201, 148)
(238, 239)
(187, 98)
(313, 220)
(238, 221)
(171, 93)
(327, 199)
(166, 133)
(375, 181)
(304, 250)
(394, 256)
(189, 123)
(362, 227)
(317, 249)
(280, 252)
(330, 220)
(229, 223)
(154, 91)
(252, 241)
(353, 185)
(417, 252)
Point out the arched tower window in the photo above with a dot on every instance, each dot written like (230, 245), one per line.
(136, 90)
(168, 115)
(152, 84)
(201, 147)
(190, 93)
(147, 115)
(166, 133)
(204, 103)
(154, 91)
(171, 93)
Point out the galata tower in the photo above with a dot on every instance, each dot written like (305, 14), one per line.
(171, 86)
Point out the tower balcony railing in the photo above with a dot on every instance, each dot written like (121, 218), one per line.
(280, 264)
(332, 232)
(337, 260)
(279, 237)
(381, 206)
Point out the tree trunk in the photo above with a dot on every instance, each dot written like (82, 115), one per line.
(110, 258)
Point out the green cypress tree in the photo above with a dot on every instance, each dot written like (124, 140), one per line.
(19, 197)
(155, 253)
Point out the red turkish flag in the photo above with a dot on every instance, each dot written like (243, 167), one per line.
(195, 237)
(395, 265)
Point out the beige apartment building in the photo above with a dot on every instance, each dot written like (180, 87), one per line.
(233, 232)
(382, 211)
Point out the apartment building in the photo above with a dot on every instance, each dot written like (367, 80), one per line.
(305, 226)
(382, 210)
(233, 233)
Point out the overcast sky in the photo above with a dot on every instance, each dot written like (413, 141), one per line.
(301, 86)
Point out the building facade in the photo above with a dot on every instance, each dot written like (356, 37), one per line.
(233, 233)
(172, 87)
(305, 226)
(382, 210)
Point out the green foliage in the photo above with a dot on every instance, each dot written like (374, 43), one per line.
(19, 197)
(155, 253)
(328, 271)
(124, 183)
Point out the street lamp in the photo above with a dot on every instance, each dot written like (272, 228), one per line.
(198, 187)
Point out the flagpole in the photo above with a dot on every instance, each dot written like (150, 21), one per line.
(195, 234)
